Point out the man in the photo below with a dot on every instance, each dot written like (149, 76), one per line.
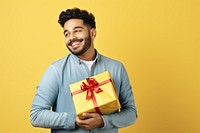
(53, 107)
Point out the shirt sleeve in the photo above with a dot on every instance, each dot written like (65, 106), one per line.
(46, 94)
(128, 113)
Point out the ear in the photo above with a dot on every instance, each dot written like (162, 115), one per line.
(93, 33)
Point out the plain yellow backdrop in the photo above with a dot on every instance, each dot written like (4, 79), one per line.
(157, 40)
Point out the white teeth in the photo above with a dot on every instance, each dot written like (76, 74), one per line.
(75, 43)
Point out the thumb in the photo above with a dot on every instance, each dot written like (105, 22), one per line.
(88, 115)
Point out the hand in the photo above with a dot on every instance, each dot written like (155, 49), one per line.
(90, 121)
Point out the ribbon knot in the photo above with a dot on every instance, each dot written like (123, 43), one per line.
(91, 87)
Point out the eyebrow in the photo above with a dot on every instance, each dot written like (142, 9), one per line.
(73, 28)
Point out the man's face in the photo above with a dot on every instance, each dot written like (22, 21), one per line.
(77, 36)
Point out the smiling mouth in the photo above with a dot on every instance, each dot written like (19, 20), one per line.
(74, 42)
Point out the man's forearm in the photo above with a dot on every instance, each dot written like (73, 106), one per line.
(121, 119)
(50, 119)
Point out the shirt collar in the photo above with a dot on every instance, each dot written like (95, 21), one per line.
(97, 58)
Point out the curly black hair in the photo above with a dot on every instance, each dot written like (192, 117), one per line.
(76, 13)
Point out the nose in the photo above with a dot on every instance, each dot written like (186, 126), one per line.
(71, 36)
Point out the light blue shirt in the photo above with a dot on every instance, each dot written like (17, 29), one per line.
(53, 107)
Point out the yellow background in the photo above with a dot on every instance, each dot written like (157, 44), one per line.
(157, 40)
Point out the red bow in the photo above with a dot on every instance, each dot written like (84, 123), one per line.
(93, 86)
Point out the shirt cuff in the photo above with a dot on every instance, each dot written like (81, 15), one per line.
(69, 121)
(107, 122)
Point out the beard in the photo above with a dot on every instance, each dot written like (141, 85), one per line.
(85, 47)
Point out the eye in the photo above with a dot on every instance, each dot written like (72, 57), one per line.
(78, 30)
(66, 34)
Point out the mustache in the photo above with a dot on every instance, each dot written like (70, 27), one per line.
(74, 40)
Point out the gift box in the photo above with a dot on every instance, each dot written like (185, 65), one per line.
(95, 94)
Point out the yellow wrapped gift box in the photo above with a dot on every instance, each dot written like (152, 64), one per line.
(95, 94)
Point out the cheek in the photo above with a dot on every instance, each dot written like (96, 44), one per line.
(80, 36)
(66, 40)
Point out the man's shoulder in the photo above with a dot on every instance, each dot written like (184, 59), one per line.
(60, 62)
(110, 60)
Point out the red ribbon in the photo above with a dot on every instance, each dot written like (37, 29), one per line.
(91, 87)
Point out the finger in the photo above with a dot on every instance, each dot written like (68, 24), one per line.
(89, 115)
(82, 121)
(84, 124)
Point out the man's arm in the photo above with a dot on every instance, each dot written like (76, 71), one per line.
(47, 92)
(128, 113)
